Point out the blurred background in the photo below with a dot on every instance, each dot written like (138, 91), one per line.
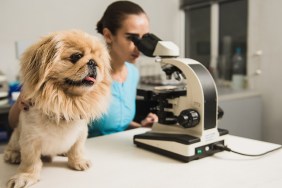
(217, 33)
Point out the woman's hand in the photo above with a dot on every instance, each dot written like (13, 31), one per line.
(15, 110)
(149, 120)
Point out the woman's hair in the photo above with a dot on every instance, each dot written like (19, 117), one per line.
(115, 15)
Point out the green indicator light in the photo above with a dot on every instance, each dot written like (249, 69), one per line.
(199, 151)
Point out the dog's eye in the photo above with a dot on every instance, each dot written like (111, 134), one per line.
(75, 57)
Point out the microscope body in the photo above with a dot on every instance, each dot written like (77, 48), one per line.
(200, 100)
(188, 118)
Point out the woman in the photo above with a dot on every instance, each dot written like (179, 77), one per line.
(122, 20)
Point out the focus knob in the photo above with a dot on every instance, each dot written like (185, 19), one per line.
(188, 118)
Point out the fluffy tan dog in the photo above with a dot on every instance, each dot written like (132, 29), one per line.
(66, 76)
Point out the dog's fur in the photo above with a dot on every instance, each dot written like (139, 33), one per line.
(66, 79)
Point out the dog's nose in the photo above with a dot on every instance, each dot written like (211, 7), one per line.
(92, 66)
(92, 63)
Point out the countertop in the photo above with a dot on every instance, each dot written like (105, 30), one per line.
(117, 162)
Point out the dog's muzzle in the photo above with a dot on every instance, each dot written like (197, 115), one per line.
(88, 80)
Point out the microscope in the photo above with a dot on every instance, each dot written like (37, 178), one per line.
(188, 114)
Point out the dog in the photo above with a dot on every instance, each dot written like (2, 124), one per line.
(66, 78)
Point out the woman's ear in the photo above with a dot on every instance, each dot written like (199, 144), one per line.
(107, 35)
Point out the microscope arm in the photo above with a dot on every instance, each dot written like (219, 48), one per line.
(200, 97)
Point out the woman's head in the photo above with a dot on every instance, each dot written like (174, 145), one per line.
(121, 20)
(116, 13)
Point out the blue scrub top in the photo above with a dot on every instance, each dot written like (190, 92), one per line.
(122, 106)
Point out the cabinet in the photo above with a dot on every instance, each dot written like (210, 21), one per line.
(242, 113)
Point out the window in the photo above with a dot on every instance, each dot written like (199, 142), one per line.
(213, 31)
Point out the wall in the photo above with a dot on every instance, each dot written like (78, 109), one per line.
(25, 21)
(265, 35)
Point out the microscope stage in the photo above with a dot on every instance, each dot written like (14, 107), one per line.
(179, 146)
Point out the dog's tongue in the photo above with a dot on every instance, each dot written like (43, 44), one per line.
(91, 79)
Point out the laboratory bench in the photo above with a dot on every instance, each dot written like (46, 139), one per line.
(117, 162)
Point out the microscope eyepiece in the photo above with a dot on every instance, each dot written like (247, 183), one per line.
(135, 39)
(146, 44)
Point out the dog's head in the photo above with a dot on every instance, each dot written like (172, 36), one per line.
(64, 68)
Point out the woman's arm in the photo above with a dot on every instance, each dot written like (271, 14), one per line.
(15, 110)
(134, 124)
(14, 114)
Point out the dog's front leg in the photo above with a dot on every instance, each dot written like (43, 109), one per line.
(75, 155)
(30, 167)
(12, 151)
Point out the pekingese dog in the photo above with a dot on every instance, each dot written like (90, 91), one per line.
(66, 78)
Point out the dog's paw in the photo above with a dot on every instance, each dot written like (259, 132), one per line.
(80, 164)
(22, 180)
(12, 156)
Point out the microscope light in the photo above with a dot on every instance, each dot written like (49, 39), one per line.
(199, 151)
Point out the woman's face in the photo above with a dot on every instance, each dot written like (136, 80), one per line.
(122, 48)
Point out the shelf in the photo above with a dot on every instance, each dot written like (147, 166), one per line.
(225, 94)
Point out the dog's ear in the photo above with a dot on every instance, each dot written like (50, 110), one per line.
(36, 62)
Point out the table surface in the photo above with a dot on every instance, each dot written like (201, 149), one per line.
(117, 162)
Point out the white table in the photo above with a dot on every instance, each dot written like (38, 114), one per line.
(117, 162)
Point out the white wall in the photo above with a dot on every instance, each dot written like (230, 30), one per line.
(27, 20)
(266, 36)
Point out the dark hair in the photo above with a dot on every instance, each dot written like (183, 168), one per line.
(115, 14)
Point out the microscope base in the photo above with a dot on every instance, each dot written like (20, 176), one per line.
(178, 146)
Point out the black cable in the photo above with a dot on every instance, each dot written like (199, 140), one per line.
(225, 148)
